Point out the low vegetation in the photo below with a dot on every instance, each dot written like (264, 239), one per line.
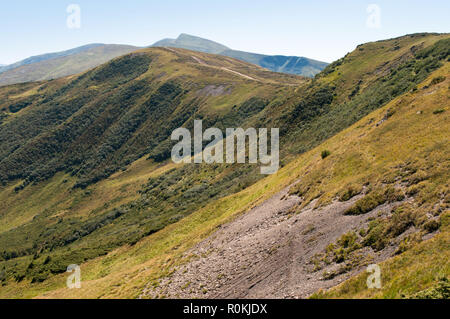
(118, 208)
(374, 199)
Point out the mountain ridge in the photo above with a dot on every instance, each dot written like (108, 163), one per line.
(47, 56)
(59, 64)
(186, 41)
(276, 63)
(55, 65)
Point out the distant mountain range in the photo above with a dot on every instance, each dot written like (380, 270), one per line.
(60, 64)
(55, 65)
(48, 56)
(277, 63)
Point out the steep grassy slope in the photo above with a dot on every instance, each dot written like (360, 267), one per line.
(416, 159)
(279, 63)
(56, 65)
(103, 120)
(119, 207)
(404, 154)
(86, 128)
(414, 132)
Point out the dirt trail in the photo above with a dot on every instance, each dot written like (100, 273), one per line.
(265, 253)
(240, 74)
(224, 68)
(199, 60)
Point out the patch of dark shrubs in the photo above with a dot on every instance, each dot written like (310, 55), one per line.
(325, 154)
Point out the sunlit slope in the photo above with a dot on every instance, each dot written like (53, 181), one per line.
(364, 153)
(112, 125)
(416, 133)
(56, 65)
(277, 63)
(106, 118)
(95, 190)
(412, 151)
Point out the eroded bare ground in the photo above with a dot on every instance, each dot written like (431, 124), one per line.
(267, 253)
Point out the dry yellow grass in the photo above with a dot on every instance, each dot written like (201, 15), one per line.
(363, 152)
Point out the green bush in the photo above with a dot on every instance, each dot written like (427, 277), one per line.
(401, 219)
(440, 291)
(374, 199)
(432, 226)
(325, 154)
(375, 235)
(437, 80)
(344, 246)
(350, 192)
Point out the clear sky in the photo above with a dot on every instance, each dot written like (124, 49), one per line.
(320, 29)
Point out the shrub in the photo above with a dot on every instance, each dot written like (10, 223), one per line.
(349, 241)
(393, 194)
(407, 243)
(325, 154)
(316, 102)
(47, 260)
(374, 236)
(402, 218)
(437, 80)
(439, 291)
(350, 192)
(431, 226)
(375, 199)
(366, 204)
(343, 247)
(340, 254)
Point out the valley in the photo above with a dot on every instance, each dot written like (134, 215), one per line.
(86, 178)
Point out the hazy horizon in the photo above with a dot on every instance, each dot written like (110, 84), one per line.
(323, 30)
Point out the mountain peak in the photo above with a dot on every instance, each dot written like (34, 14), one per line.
(292, 65)
(190, 42)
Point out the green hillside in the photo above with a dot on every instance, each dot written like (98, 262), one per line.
(86, 175)
(407, 152)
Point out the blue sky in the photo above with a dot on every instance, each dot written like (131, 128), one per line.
(323, 30)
